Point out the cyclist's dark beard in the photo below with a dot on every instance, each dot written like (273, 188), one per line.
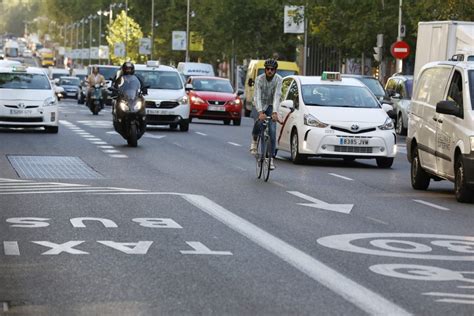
(269, 78)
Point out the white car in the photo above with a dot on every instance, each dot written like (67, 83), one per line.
(332, 117)
(27, 99)
(167, 102)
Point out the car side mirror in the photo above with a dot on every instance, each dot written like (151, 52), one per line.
(240, 92)
(188, 87)
(56, 81)
(387, 107)
(391, 114)
(250, 82)
(288, 104)
(449, 108)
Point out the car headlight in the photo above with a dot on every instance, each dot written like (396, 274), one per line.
(312, 121)
(183, 100)
(235, 102)
(472, 143)
(388, 125)
(49, 101)
(123, 106)
(138, 106)
(197, 100)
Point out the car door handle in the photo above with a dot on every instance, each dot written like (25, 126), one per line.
(435, 119)
(440, 121)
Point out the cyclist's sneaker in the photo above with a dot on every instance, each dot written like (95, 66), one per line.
(272, 165)
(253, 148)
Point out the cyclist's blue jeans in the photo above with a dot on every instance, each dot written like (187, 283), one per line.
(257, 128)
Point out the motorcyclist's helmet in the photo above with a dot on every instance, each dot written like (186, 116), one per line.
(128, 68)
(271, 63)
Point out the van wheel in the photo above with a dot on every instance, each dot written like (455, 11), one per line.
(227, 122)
(52, 129)
(384, 162)
(420, 180)
(463, 193)
(184, 126)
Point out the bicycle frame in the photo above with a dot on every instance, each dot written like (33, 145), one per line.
(264, 151)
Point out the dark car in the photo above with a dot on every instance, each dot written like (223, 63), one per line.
(71, 86)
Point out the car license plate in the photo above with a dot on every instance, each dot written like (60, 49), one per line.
(354, 141)
(71, 93)
(216, 108)
(158, 111)
(20, 112)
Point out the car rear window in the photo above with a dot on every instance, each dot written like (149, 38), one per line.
(338, 96)
(24, 81)
(69, 82)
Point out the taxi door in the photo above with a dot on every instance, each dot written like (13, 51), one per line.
(289, 91)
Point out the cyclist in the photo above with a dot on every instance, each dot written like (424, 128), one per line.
(266, 100)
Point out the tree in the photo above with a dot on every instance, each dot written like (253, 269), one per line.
(121, 31)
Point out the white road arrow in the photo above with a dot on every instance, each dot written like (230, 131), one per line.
(341, 208)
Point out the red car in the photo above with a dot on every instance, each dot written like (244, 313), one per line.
(213, 98)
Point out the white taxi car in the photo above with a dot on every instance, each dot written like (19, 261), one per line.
(330, 116)
(166, 102)
(27, 99)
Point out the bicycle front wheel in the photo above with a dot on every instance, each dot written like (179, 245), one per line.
(267, 159)
(259, 157)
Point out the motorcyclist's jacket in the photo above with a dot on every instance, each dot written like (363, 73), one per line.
(92, 80)
(267, 92)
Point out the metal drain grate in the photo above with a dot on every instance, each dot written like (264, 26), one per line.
(52, 167)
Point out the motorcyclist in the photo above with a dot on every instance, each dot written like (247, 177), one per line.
(95, 78)
(128, 68)
(267, 100)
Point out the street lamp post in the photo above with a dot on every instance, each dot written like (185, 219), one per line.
(187, 32)
(126, 29)
(83, 21)
(90, 38)
(100, 12)
(152, 28)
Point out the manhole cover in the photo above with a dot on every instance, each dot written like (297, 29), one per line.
(52, 167)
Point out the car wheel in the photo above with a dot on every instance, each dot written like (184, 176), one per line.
(52, 129)
(184, 126)
(247, 113)
(226, 122)
(173, 126)
(236, 122)
(420, 180)
(296, 157)
(399, 128)
(349, 159)
(384, 162)
(462, 192)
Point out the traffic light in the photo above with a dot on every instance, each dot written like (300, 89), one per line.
(378, 53)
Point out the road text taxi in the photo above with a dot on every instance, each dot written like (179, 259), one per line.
(27, 99)
(166, 102)
(332, 117)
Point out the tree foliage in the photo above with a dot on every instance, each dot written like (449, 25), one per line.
(124, 30)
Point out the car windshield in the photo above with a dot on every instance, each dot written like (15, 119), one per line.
(471, 86)
(338, 96)
(108, 72)
(156, 79)
(281, 72)
(24, 81)
(57, 75)
(69, 82)
(129, 86)
(374, 85)
(214, 85)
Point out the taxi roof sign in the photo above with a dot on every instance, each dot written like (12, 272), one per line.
(331, 76)
(153, 63)
(19, 68)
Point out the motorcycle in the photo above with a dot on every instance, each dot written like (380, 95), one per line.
(128, 110)
(96, 101)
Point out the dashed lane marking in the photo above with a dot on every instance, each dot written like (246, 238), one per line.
(432, 205)
(342, 177)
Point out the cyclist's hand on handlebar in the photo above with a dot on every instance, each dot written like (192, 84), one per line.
(262, 116)
(275, 117)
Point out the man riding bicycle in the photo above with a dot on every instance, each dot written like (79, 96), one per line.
(267, 99)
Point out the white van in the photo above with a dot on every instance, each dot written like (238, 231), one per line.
(440, 141)
(195, 69)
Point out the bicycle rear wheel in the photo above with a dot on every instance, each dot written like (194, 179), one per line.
(267, 158)
(259, 157)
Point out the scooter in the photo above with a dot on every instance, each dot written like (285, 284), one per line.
(96, 101)
(128, 112)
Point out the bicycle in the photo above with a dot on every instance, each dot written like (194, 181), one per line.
(264, 151)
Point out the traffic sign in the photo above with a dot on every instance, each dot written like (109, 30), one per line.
(400, 50)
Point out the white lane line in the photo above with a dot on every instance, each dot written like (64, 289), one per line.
(432, 205)
(365, 299)
(111, 151)
(376, 220)
(99, 143)
(88, 136)
(202, 134)
(106, 146)
(95, 139)
(118, 156)
(342, 177)
(234, 144)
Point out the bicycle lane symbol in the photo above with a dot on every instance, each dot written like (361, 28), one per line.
(426, 247)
